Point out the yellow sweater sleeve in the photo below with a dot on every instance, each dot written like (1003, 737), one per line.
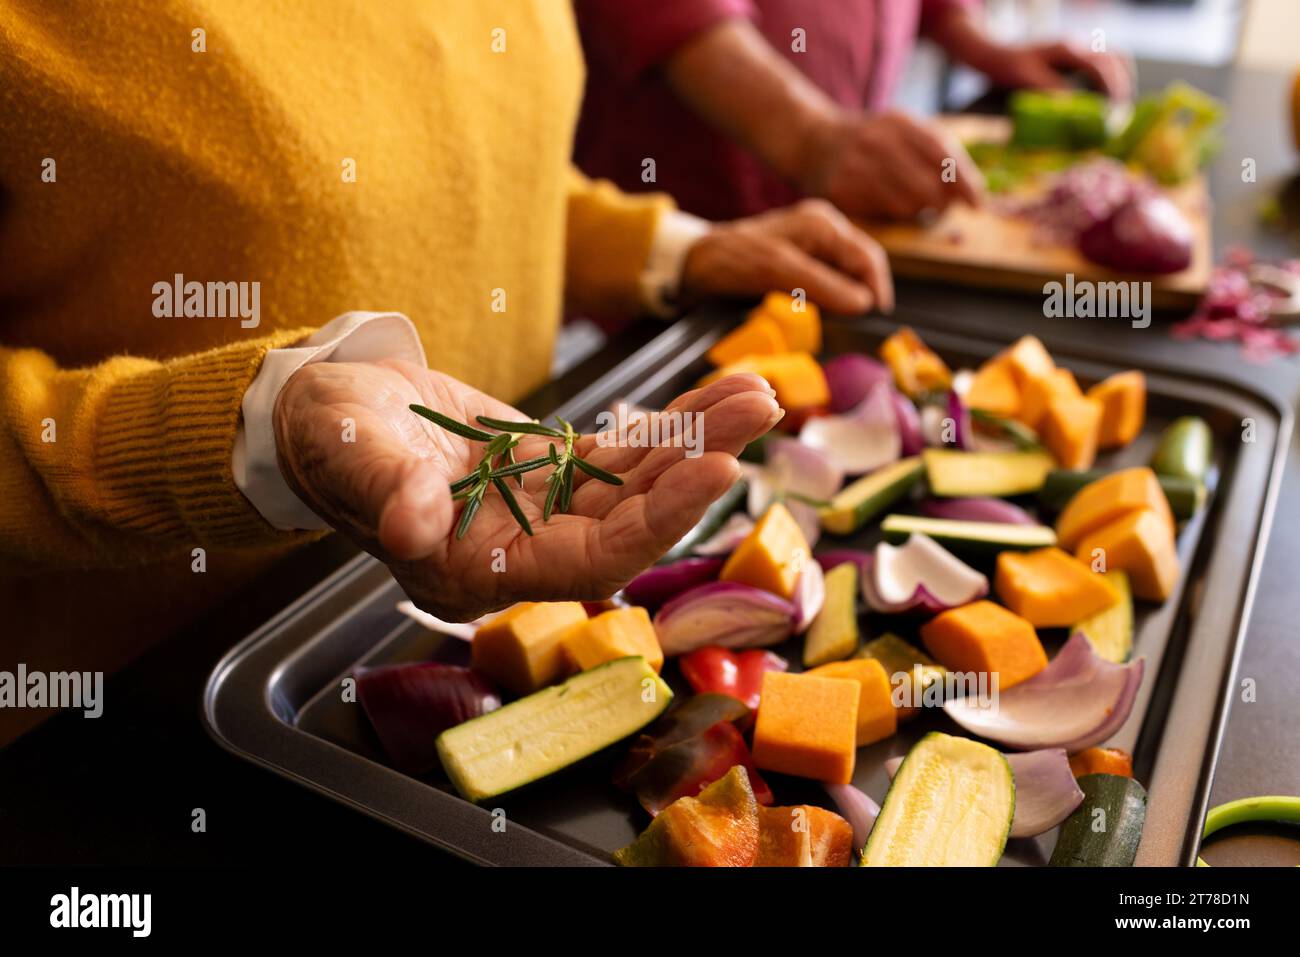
(607, 244)
(126, 461)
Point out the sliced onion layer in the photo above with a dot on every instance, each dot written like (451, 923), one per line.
(1077, 701)
(850, 376)
(920, 574)
(462, 631)
(659, 584)
(724, 541)
(860, 440)
(1046, 792)
(809, 596)
(857, 808)
(728, 614)
(793, 466)
(910, 433)
(979, 509)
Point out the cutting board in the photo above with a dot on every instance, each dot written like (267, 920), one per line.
(983, 247)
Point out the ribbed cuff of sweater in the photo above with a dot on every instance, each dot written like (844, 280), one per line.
(163, 448)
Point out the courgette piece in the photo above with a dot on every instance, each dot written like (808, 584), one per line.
(1110, 631)
(1105, 829)
(952, 473)
(1186, 496)
(552, 728)
(834, 633)
(715, 516)
(1186, 450)
(950, 805)
(1022, 435)
(981, 538)
(858, 503)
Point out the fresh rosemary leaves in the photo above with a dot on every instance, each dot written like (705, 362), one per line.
(499, 463)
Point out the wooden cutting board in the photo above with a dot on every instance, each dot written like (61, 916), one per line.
(982, 247)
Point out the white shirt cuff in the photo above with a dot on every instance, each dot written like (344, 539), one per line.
(661, 280)
(352, 337)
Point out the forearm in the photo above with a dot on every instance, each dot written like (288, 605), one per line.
(733, 79)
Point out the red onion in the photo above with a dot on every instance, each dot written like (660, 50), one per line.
(809, 596)
(977, 510)
(410, 705)
(909, 423)
(920, 575)
(1145, 234)
(656, 585)
(1077, 701)
(850, 377)
(860, 440)
(857, 808)
(838, 556)
(724, 613)
(724, 541)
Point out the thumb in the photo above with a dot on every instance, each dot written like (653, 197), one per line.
(415, 512)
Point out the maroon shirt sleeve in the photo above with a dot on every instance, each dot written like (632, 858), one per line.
(630, 36)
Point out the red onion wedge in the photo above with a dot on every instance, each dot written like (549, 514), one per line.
(860, 440)
(909, 423)
(963, 437)
(724, 613)
(838, 556)
(857, 808)
(1077, 701)
(809, 596)
(793, 466)
(658, 584)
(1145, 234)
(920, 574)
(850, 377)
(724, 541)
(410, 705)
(1046, 792)
(977, 510)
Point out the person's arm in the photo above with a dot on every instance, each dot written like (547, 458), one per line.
(126, 461)
(886, 165)
(953, 25)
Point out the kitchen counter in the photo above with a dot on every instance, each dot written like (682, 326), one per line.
(123, 789)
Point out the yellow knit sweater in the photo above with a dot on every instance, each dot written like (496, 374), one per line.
(407, 155)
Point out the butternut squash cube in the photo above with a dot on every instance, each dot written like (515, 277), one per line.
(772, 556)
(613, 634)
(1028, 359)
(800, 321)
(1123, 399)
(1109, 497)
(1039, 393)
(984, 637)
(522, 649)
(795, 377)
(994, 390)
(757, 336)
(1050, 588)
(1070, 430)
(1140, 543)
(877, 716)
(807, 725)
(915, 366)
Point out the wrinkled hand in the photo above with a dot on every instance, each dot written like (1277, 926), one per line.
(389, 490)
(809, 246)
(889, 166)
(1044, 66)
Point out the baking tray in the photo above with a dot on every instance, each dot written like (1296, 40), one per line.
(276, 699)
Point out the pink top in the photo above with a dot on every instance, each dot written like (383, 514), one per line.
(855, 50)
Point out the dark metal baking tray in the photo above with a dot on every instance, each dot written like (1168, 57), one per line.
(276, 698)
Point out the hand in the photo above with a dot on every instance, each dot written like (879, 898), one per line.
(888, 166)
(810, 246)
(1044, 66)
(388, 491)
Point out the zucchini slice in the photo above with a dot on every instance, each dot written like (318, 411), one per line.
(952, 473)
(1110, 631)
(1105, 829)
(551, 729)
(858, 503)
(1186, 496)
(978, 537)
(950, 805)
(834, 632)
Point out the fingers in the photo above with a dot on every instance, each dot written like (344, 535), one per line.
(827, 233)
(641, 528)
(415, 517)
(939, 150)
(789, 267)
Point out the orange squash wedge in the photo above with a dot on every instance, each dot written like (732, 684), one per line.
(800, 321)
(1028, 359)
(758, 335)
(1109, 497)
(522, 649)
(772, 556)
(984, 637)
(1070, 429)
(1050, 588)
(1140, 543)
(877, 716)
(1039, 393)
(807, 725)
(916, 368)
(994, 390)
(1123, 399)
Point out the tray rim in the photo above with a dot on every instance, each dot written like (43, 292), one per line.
(663, 358)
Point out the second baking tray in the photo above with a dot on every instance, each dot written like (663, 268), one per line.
(278, 697)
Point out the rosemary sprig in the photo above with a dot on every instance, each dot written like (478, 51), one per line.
(499, 463)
